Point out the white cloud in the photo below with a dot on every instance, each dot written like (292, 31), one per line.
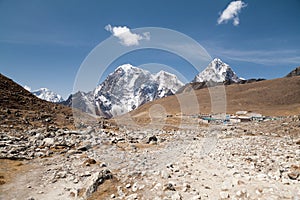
(27, 88)
(126, 37)
(231, 12)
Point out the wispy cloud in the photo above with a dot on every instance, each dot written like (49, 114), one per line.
(263, 57)
(232, 12)
(126, 36)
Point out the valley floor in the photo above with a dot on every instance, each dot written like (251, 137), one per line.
(253, 160)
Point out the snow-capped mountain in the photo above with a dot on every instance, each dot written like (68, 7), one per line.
(125, 89)
(48, 95)
(128, 87)
(218, 72)
(168, 83)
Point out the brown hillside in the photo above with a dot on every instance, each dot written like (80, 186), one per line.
(19, 108)
(278, 97)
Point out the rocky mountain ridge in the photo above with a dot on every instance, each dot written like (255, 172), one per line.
(48, 95)
(125, 89)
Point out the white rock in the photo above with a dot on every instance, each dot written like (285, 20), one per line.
(287, 194)
(224, 195)
(176, 196)
(132, 196)
(165, 175)
(244, 190)
(62, 174)
(196, 197)
(261, 176)
(48, 141)
(258, 192)
(120, 192)
(239, 193)
(285, 181)
(230, 166)
(157, 186)
(134, 187)
(226, 185)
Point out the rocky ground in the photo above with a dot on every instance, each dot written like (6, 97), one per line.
(253, 160)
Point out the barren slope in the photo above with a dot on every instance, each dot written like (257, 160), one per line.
(19, 108)
(271, 97)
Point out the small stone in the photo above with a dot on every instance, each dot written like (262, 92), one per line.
(285, 181)
(196, 197)
(87, 173)
(103, 164)
(157, 186)
(287, 194)
(261, 176)
(89, 161)
(293, 175)
(48, 141)
(120, 192)
(186, 187)
(244, 191)
(207, 187)
(176, 196)
(128, 185)
(152, 140)
(226, 185)
(62, 174)
(230, 166)
(132, 196)
(224, 195)
(113, 196)
(170, 165)
(40, 192)
(169, 186)
(165, 175)
(141, 187)
(84, 147)
(239, 193)
(259, 191)
(134, 187)
(74, 193)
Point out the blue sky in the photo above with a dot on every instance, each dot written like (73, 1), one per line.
(43, 43)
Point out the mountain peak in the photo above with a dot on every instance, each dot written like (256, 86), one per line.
(41, 89)
(217, 71)
(295, 72)
(126, 67)
(163, 74)
(129, 87)
(218, 62)
(48, 95)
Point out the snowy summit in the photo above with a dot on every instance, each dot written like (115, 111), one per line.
(48, 95)
(217, 71)
(128, 87)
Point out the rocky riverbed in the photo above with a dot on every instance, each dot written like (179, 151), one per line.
(253, 160)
